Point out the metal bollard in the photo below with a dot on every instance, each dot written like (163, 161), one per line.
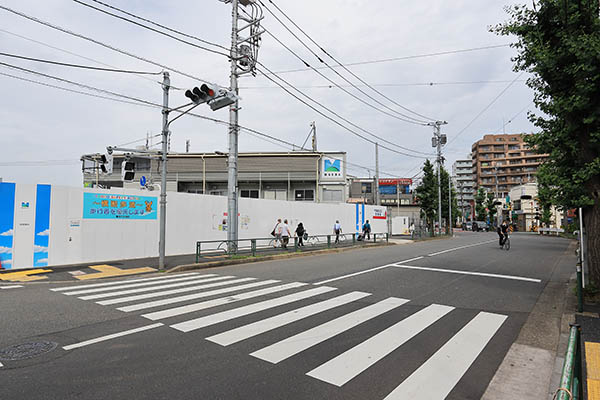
(328, 241)
(198, 244)
(253, 247)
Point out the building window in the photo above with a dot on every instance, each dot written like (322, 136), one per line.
(304, 195)
(253, 194)
(366, 187)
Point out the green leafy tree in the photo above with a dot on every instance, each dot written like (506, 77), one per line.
(480, 198)
(445, 176)
(492, 209)
(558, 42)
(427, 195)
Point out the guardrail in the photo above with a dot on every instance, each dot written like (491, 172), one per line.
(570, 380)
(255, 245)
(556, 231)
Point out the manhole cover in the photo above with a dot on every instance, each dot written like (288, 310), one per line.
(26, 350)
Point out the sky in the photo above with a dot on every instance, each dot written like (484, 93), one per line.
(45, 130)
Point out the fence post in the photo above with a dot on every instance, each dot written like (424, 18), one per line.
(387, 237)
(198, 244)
(253, 247)
(295, 243)
(328, 241)
(374, 238)
(353, 238)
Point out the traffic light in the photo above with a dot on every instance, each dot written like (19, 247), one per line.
(127, 171)
(106, 163)
(215, 96)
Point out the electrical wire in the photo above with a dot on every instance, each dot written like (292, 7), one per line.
(342, 65)
(39, 163)
(332, 112)
(387, 84)
(80, 36)
(515, 116)
(486, 108)
(414, 120)
(384, 60)
(161, 26)
(150, 28)
(79, 65)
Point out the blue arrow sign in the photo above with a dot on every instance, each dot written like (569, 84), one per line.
(143, 181)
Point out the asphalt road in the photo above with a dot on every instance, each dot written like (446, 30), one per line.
(429, 320)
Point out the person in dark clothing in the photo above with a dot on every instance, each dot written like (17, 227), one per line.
(502, 233)
(300, 234)
(367, 230)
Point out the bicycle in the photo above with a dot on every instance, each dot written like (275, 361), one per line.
(506, 245)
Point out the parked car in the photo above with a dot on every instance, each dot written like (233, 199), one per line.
(467, 226)
(482, 226)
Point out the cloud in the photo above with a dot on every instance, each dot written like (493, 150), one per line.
(39, 249)
(6, 262)
(44, 233)
(9, 232)
(42, 260)
(5, 250)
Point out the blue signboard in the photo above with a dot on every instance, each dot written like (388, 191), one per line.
(118, 206)
(42, 226)
(387, 189)
(7, 223)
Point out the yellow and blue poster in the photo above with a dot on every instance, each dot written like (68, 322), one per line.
(117, 206)
(7, 223)
(42, 226)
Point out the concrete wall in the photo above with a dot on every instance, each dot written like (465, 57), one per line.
(66, 231)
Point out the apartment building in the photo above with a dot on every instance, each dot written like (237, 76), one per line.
(462, 175)
(501, 162)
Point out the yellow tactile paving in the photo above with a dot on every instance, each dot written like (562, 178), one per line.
(592, 362)
(24, 276)
(108, 270)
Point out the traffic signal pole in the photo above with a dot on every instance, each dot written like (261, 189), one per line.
(232, 198)
(163, 176)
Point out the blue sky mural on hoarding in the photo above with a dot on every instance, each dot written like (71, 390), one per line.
(7, 223)
(42, 226)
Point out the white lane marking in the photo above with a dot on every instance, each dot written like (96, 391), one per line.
(461, 247)
(349, 364)
(172, 291)
(454, 271)
(83, 285)
(1, 365)
(157, 303)
(171, 312)
(295, 344)
(127, 286)
(364, 272)
(112, 336)
(265, 325)
(437, 376)
(11, 287)
(152, 288)
(213, 319)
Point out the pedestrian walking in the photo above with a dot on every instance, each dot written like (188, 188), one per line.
(277, 232)
(367, 230)
(300, 232)
(412, 230)
(285, 234)
(337, 229)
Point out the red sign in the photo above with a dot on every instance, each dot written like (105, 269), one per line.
(396, 181)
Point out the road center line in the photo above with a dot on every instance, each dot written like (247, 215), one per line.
(461, 247)
(365, 271)
(112, 336)
(454, 271)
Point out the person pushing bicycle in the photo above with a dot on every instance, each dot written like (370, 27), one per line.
(502, 233)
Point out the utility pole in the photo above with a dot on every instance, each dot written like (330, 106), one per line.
(438, 141)
(314, 136)
(187, 146)
(450, 222)
(163, 176)
(377, 174)
(232, 198)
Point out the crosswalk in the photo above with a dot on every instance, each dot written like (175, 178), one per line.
(189, 299)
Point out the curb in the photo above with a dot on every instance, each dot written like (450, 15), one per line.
(250, 259)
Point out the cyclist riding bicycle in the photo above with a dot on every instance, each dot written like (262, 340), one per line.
(502, 233)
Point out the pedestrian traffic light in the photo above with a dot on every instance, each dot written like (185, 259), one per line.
(127, 171)
(106, 163)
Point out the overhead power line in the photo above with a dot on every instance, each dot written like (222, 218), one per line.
(387, 84)
(342, 65)
(79, 65)
(406, 118)
(161, 26)
(150, 28)
(384, 60)
(38, 163)
(58, 28)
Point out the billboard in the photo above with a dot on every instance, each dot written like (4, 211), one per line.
(332, 168)
(116, 206)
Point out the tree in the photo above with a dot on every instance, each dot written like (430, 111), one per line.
(445, 176)
(427, 195)
(480, 197)
(558, 42)
(491, 207)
